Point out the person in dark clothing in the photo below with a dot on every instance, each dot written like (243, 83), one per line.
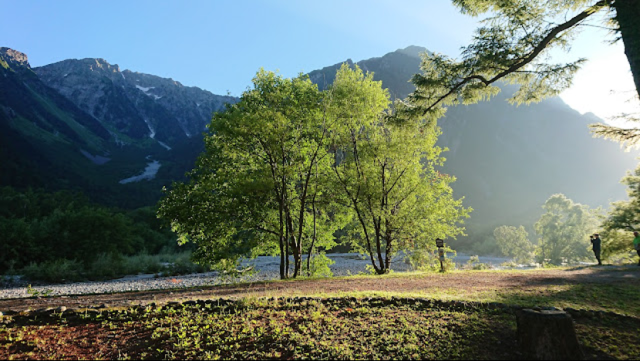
(596, 242)
(636, 244)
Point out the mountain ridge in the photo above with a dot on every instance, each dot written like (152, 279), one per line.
(136, 104)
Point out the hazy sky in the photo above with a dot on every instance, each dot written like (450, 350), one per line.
(219, 45)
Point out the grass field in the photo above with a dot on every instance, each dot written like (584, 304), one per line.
(443, 323)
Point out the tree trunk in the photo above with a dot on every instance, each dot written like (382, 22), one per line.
(313, 239)
(547, 335)
(627, 15)
(286, 252)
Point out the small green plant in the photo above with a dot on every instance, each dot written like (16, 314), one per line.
(509, 264)
(475, 264)
(35, 293)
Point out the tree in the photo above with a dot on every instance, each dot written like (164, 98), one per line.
(512, 46)
(387, 171)
(514, 242)
(623, 218)
(564, 230)
(258, 187)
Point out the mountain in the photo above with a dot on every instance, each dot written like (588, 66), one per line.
(81, 125)
(134, 104)
(509, 160)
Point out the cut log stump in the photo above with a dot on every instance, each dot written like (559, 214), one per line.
(547, 335)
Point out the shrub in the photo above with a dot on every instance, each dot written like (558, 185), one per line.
(424, 260)
(60, 270)
(319, 265)
(106, 266)
(475, 264)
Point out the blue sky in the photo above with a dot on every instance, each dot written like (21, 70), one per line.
(219, 45)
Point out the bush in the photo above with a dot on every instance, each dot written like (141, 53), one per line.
(183, 265)
(509, 264)
(110, 266)
(319, 265)
(623, 258)
(57, 271)
(106, 266)
(474, 264)
(424, 260)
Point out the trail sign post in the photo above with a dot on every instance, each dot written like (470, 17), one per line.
(440, 245)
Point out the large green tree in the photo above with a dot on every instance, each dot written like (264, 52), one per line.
(512, 45)
(387, 171)
(258, 187)
(623, 218)
(564, 230)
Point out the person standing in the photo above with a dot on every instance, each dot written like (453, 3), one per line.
(636, 244)
(597, 243)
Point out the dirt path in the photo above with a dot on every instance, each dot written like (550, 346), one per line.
(422, 283)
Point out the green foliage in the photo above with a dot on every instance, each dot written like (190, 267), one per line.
(259, 187)
(474, 264)
(511, 45)
(111, 266)
(319, 265)
(386, 169)
(428, 260)
(623, 219)
(513, 242)
(62, 229)
(58, 270)
(35, 293)
(509, 264)
(564, 231)
(486, 246)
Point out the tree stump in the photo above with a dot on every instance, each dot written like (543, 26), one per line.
(547, 335)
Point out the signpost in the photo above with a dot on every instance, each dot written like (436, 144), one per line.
(440, 245)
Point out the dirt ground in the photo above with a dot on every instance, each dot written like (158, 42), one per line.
(422, 283)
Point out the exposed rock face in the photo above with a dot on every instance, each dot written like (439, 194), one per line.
(14, 58)
(138, 105)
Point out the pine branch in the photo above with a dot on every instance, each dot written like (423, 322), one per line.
(553, 33)
(627, 138)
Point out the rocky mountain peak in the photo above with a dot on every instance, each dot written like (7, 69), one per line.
(14, 57)
(95, 64)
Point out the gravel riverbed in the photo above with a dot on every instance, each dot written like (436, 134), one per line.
(268, 268)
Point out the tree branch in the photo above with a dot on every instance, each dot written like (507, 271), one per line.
(553, 33)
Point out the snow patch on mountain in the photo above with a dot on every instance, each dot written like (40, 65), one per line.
(164, 145)
(144, 89)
